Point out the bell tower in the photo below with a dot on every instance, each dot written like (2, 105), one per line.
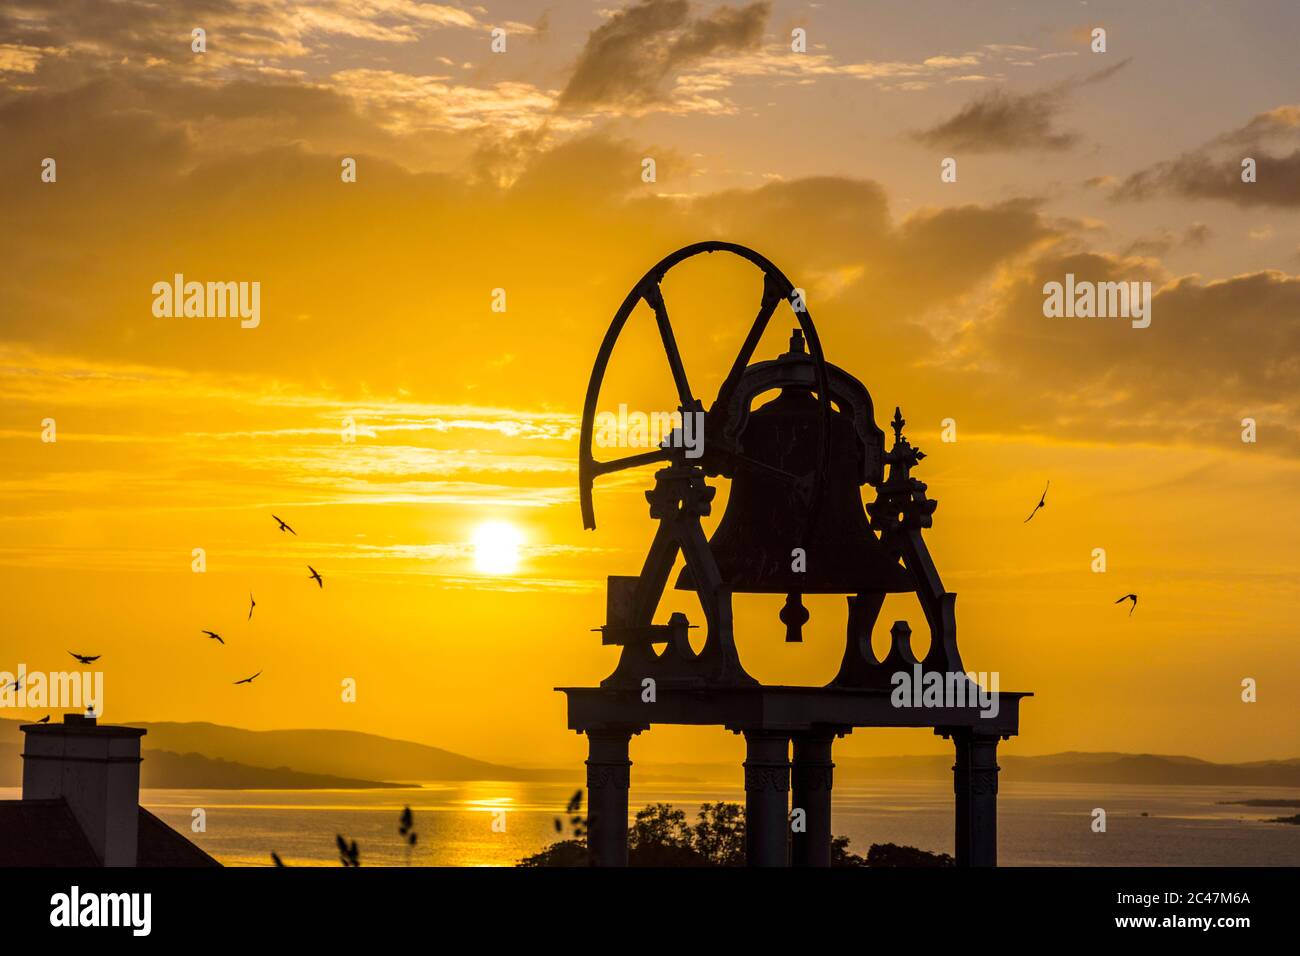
(795, 524)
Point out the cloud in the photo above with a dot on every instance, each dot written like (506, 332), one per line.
(1166, 240)
(1214, 170)
(275, 72)
(999, 121)
(402, 102)
(238, 178)
(238, 34)
(1216, 351)
(777, 62)
(630, 60)
(18, 58)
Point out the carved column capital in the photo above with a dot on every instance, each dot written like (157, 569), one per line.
(813, 777)
(767, 760)
(601, 775)
(608, 764)
(774, 777)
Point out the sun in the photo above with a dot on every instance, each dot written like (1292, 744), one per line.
(496, 547)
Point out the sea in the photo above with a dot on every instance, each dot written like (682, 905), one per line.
(487, 823)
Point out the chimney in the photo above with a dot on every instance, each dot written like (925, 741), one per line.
(96, 770)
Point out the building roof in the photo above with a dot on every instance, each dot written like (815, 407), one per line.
(160, 845)
(42, 833)
(45, 833)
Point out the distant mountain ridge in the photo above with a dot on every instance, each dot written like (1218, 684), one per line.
(1068, 767)
(349, 753)
(164, 770)
(201, 755)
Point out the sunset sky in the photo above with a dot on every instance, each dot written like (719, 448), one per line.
(522, 171)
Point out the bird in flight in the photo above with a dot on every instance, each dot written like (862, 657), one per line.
(86, 658)
(215, 636)
(17, 685)
(1129, 597)
(285, 527)
(1042, 502)
(249, 680)
(315, 576)
(44, 720)
(251, 604)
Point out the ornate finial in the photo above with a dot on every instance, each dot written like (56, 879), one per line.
(796, 341)
(900, 500)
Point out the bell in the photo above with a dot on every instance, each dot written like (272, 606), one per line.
(764, 544)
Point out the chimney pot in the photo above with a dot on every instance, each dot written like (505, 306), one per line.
(95, 769)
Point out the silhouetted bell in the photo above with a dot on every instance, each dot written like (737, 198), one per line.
(764, 543)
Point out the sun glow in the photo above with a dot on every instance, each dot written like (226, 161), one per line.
(496, 547)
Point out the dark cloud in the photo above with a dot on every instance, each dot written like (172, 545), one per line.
(542, 27)
(998, 120)
(1215, 352)
(159, 177)
(1213, 171)
(156, 178)
(628, 60)
(1166, 240)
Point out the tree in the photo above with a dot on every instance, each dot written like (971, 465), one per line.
(891, 854)
(841, 855)
(719, 836)
(660, 836)
(659, 825)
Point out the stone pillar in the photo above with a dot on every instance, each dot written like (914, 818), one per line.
(975, 784)
(609, 773)
(811, 773)
(767, 792)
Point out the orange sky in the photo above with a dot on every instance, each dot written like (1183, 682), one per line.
(522, 171)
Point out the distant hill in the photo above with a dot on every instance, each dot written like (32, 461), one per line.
(1070, 767)
(1152, 769)
(344, 752)
(164, 770)
(205, 755)
(333, 753)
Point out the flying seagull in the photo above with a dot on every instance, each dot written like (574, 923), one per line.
(315, 575)
(251, 604)
(215, 636)
(17, 685)
(1129, 597)
(86, 658)
(1042, 502)
(249, 680)
(285, 527)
